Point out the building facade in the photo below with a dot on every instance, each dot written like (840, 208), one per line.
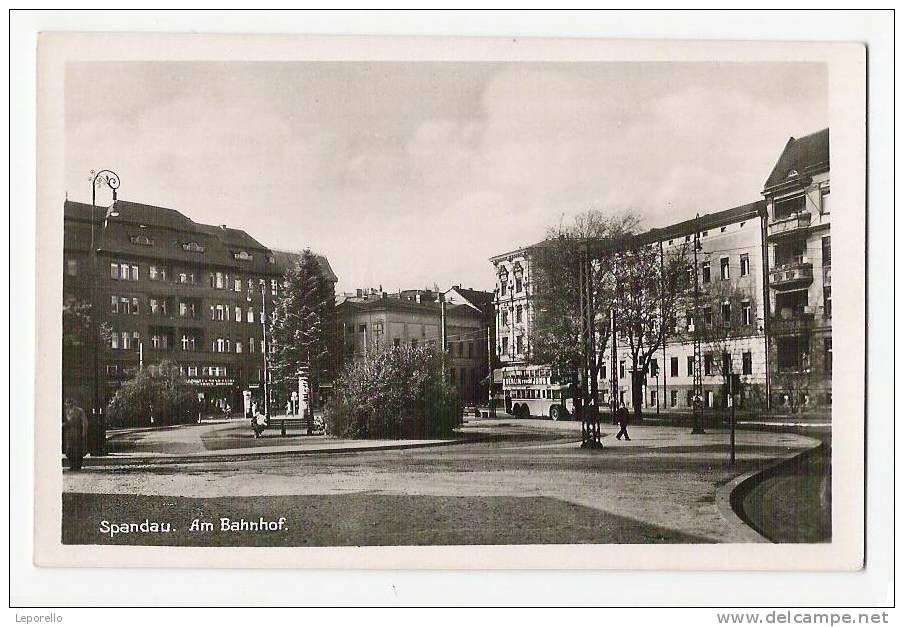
(765, 302)
(170, 289)
(800, 274)
(373, 320)
(513, 303)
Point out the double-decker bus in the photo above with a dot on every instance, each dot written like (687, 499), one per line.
(536, 391)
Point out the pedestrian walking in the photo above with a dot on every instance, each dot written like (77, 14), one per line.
(622, 415)
(75, 429)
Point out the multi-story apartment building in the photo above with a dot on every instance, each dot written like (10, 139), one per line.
(765, 305)
(170, 289)
(512, 301)
(800, 273)
(730, 269)
(373, 320)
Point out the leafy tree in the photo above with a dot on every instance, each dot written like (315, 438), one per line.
(397, 392)
(303, 326)
(160, 391)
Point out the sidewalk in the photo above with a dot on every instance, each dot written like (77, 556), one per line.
(226, 440)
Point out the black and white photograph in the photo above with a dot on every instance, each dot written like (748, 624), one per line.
(507, 303)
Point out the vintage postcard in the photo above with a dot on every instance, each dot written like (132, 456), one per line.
(449, 303)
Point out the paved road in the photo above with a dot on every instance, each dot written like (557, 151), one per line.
(530, 483)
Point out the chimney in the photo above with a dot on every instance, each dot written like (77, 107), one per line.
(359, 292)
(223, 226)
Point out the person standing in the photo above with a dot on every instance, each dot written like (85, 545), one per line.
(622, 416)
(75, 429)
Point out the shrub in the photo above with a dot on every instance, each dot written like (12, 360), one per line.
(399, 392)
(159, 391)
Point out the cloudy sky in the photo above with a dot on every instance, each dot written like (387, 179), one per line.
(410, 174)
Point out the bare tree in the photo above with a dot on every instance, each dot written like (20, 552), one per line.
(648, 285)
(556, 336)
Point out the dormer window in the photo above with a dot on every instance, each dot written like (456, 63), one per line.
(141, 240)
(242, 256)
(193, 247)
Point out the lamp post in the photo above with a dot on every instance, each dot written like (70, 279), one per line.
(98, 443)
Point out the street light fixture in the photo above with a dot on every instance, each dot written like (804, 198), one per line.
(98, 444)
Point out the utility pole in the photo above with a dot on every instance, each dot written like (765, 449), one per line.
(698, 374)
(491, 401)
(614, 366)
(731, 392)
(665, 384)
(264, 351)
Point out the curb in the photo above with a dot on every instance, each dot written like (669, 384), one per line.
(729, 495)
(225, 456)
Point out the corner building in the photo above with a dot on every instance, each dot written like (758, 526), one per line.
(171, 289)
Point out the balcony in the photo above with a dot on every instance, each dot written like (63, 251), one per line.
(798, 273)
(791, 322)
(794, 224)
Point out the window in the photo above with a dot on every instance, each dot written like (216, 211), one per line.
(708, 316)
(726, 315)
(827, 250)
(708, 364)
(124, 272)
(238, 314)
(827, 348)
(706, 274)
(219, 346)
(690, 366)
(504, 317)
(114, 270)
(250, 315)
(786, 207)
(673, 398)
(218, 279)
(519, 344)
(825, 201)
(157, 273)
(274, 286)
(188, 342)
(726, 363)
(724, 272)
(673, 367)
(519, 311)
(114, 304)
(654, 398)
(505, 346)
(747, 363)
(689, 320)
(71, 267)
(250, 344)
(193, 371)
(237, 286)
(745, 264)
(160, 341)
(186, 277)
(621, 370)
(746, 312)
(654, 367)
(123, 305)
(135, 309)
(603, 372)
(193, 247)
(114, 340)
(519, 285)
(827, 300)
(186, 309)
(396, 342)
(238, 346)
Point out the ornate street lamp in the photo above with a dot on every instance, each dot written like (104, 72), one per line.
(98, 444)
